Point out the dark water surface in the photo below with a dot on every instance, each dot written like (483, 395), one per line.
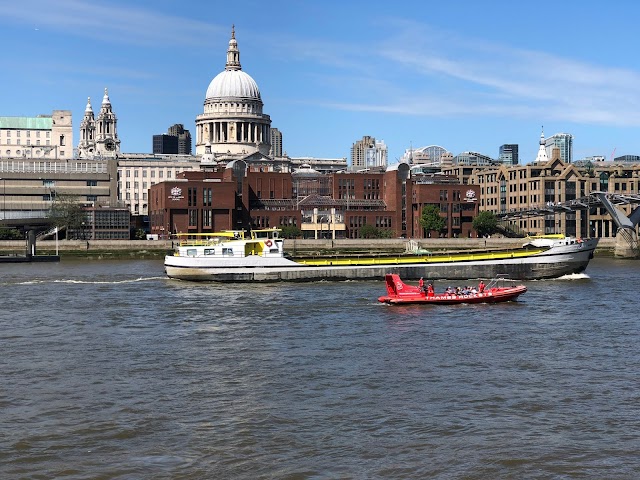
(111, 371)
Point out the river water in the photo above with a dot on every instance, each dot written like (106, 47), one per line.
(111, 371)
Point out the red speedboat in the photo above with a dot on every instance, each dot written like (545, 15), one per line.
(399, 292)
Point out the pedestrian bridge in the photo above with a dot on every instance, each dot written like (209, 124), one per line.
(626, 237)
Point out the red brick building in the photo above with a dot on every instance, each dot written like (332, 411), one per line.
(335, 205)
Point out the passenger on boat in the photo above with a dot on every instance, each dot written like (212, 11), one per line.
(421, 284)
(449, 291)
(481, 286)
(430, 290)
(458, 291)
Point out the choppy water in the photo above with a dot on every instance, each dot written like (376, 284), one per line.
(111, 371)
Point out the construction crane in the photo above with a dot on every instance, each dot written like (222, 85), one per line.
(612, 154)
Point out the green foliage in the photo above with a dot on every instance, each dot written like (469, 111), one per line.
(369, 231)
(139, 234)
(289, 231)
(431, 220)
(10, 234)
(385, 233)
(66, 211)
(485, 223)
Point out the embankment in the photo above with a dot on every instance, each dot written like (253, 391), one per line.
(103, 249)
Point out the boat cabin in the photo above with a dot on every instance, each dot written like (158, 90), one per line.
(231, 243)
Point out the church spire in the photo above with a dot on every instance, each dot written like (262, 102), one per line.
(233, 54)
(105, 99)
(542, 151)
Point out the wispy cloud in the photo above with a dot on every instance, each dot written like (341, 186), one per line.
(444, 73)
(117, 23)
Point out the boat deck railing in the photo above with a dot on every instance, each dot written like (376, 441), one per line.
(430, 258)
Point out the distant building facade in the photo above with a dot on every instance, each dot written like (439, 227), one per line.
(429, 155)
(472, 158)
(276, 143)
(99, 136)
(165, 144)
(369, 153)
(177, 141)
(44, 136)
(508, 154)
(562, 141)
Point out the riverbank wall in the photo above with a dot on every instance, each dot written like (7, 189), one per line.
(158, 248)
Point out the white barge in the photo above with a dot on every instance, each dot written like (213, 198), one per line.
(259, 256)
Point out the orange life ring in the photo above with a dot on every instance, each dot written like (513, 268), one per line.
(268, 243)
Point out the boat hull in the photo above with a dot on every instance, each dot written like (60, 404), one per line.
(400, 293)
(556, 262)
(492, 296)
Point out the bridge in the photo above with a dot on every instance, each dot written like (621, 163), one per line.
(626, 238)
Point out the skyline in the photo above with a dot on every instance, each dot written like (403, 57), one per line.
(465, 77)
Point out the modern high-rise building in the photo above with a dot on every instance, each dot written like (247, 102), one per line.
(369, 153)
(562, 141)
(276, 143)
(508, 154)
(165, 144)
(184, 138)
(177, 140)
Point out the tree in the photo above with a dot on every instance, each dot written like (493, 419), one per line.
(368, 231)
(66, 211)
(10, 234)
(430, 219)
(289, 231)
(485, 223)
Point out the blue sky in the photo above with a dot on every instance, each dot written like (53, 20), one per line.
(466, 75)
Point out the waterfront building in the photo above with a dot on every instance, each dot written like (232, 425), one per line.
(335, 205)
(562, 141)
(550, 180)
(369, 153)
(40, 137)
(233, 125)
(137, 172)
(30, 186)
(508, 154)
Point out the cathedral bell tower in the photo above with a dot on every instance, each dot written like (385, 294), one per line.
(87, 145)
(107, 143)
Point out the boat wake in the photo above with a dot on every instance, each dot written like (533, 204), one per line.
(574, 276)
(91, 282)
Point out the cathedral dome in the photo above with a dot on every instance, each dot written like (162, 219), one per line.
(233, 84)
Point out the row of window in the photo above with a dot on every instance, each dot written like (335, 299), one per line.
(152, 173)
(136, 185)
(136, 196)
(18, 142)
(27, 133)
